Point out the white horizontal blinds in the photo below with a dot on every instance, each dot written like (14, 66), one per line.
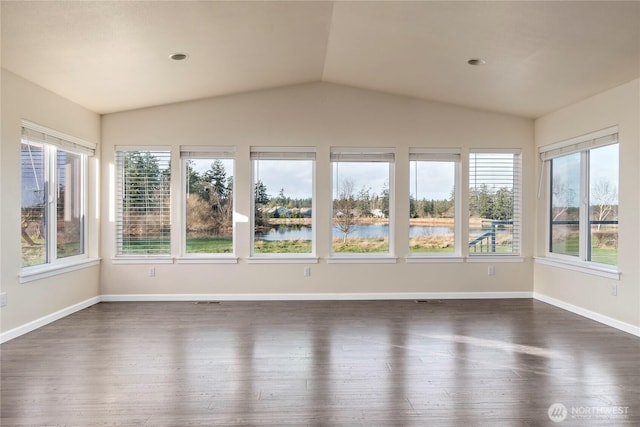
(66, 143)
(144, 194)
(206, 152)
(495, 195)
(348, 155)
(263, 153)
(587, 142)
(416, 154)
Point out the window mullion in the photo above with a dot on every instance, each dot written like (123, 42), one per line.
(585, 240)
(50, 225)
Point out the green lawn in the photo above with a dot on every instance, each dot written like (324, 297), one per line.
(36, 255)
(282, 247)
(209, 246)
(358, 245)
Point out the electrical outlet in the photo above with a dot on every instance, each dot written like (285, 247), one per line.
(152, 272)
(491, 270)
(307, 271)
(3, 299)
(614, 289)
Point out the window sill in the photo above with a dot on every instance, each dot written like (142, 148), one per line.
(142, 260)
(362, 259)
(282, 259)
(586, 268)
(41, 272)
(495, 258)
(207, 259)
(419, 259)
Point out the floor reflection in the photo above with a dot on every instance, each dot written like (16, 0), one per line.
(492, 362)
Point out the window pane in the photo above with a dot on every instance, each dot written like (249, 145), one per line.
(432, 206)
(360, 207)
(69, 213)
(494, 194)
(33, 212)
(144, 217)
(603, 204)
(565, 205)
(209, 206)
(283, 206)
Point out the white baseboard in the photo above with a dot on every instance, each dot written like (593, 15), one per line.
(45, 320)
(609, 321)
(314, 296)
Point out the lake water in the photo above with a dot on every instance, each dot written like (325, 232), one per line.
(303, 232)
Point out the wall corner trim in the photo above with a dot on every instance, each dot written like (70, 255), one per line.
(45, 320)
(600, 318)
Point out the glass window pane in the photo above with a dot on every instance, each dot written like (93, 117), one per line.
(33, 207)
(603, 204)
(360, 207)
(209, 206)
(565, 205)
(432, 206)
(69, 215)
(283, 206)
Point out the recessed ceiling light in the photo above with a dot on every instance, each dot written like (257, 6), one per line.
(178, 56)
(476, 61)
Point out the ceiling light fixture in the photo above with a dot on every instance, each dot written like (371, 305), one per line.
(178, 56)
(476, 61)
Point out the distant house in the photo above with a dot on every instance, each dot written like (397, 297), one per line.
(306, 212)
(279, 212)
(377, 213)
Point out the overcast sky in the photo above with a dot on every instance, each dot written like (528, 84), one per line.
(434, 180)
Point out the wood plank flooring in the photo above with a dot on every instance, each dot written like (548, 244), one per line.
(347, 363)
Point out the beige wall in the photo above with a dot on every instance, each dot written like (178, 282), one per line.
(30, 301)
(619, 106)
(319, 115)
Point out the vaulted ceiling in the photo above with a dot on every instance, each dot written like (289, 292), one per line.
(113, 56)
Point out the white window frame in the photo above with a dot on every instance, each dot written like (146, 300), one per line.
(582, 144)
(365, 154)
(515, 256)
(206, 152)
(442, 155)
(51, 141)
(283, 153)
(137, 258)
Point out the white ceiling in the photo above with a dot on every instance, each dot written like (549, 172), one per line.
(113, 56)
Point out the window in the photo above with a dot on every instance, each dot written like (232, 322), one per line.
(362, 201)
(494, 202)
(53, 202)
(208, 204)
(143, 218)
(433, 177)
(583, 215)
(283, 180)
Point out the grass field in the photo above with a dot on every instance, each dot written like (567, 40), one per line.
(35, 255)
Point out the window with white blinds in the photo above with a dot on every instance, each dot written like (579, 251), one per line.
(143, 214)
(53, 196)
(208, 200)
(433, 199)
(494, 202)
(363, 200)
(583, 198)
(283, 202)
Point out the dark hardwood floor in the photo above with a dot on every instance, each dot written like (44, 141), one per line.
(449, 363)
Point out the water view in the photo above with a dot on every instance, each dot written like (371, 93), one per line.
(362, 231)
